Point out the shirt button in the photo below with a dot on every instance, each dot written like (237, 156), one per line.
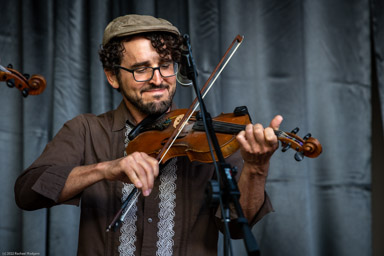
(150, 220)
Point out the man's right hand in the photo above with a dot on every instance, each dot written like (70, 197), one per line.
(137, 168)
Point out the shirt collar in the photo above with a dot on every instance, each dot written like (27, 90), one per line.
(120, 116)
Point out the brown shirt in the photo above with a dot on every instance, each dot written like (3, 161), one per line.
(89, 139)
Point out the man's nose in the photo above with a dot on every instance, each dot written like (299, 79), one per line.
(157, 78)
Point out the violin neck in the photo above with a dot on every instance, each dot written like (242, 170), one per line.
(220, 127)
(228, 128)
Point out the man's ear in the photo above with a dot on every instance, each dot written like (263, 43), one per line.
(112, 79)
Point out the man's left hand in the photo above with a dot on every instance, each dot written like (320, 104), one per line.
(257, 145)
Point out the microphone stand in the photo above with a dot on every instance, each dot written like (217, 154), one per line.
(229, 191)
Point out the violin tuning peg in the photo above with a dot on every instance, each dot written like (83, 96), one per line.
(25, 92)
(11, 83)
(286, 147)
(307, 136)
(10, 66)
(299, 156)
(296, 130)
(26, 76)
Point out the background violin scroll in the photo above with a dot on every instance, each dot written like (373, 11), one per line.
(28, 85)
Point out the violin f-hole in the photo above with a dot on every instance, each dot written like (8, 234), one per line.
(164, 141)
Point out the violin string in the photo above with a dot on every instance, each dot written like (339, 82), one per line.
(287, 136)
(224, 127)
(278, 133)
(197, 103)
(281, 134)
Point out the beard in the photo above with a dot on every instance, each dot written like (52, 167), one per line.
(151, 108)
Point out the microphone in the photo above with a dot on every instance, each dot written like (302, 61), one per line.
(182, 73)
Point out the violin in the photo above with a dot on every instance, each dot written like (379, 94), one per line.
(28, 85)
(192, 142)
(158, 139)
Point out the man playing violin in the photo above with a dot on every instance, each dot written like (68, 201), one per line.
(85, 160)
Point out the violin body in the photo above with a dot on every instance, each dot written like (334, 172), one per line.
(190, 142)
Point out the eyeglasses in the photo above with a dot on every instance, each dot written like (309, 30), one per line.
(144, 74)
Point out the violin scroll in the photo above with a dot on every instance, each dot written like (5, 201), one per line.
(33, 85)
(36, 84)
(312, 148)
(307, 146)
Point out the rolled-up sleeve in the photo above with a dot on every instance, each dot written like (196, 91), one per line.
(40, 185)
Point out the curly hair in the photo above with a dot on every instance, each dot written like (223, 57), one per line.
(164, 43)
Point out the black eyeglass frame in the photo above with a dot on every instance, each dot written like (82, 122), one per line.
(132, 71)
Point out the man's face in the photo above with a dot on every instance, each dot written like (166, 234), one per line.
(150, 97)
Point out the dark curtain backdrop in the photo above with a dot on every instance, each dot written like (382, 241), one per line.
(314, 62)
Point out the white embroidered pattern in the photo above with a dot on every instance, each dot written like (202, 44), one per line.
(166, 213)
(167, 209)
(128, 229)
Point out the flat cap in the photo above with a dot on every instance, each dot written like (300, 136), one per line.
(134, 24)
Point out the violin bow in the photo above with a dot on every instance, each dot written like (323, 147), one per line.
(207, 86)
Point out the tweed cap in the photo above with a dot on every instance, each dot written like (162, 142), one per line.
(134, 24)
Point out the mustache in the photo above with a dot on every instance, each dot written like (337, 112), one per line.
(154, 87)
